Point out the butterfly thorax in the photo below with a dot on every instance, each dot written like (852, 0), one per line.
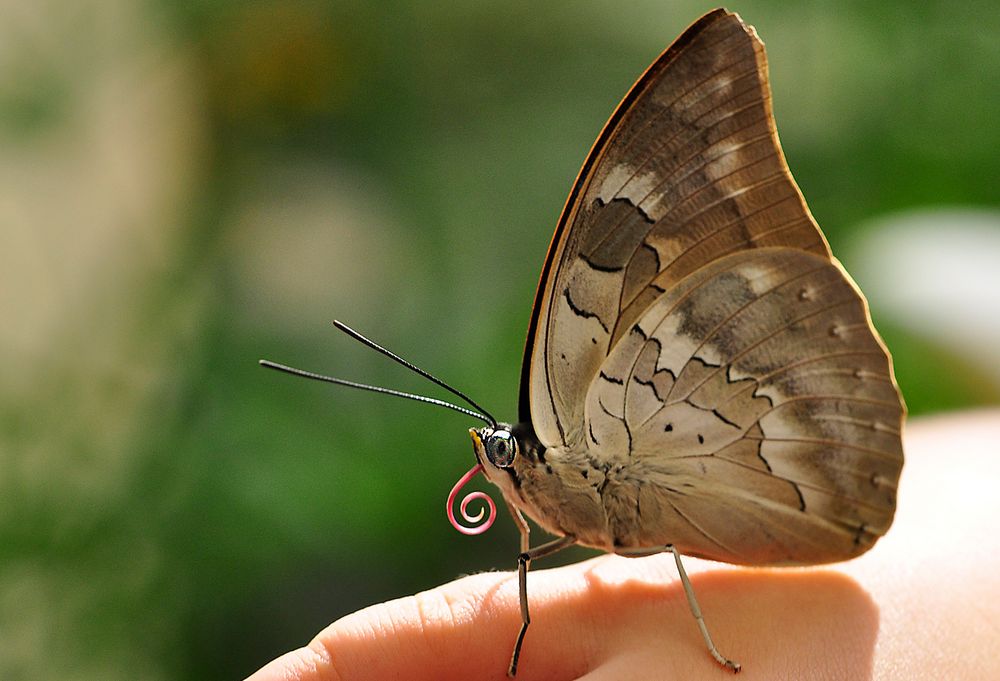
(551, 485)
(570, 490)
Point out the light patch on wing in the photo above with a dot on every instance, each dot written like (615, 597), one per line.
(583, 313)
(648, 389)
(625, 181)
(676, 348)
(605, 416)
(572, 365)
(728, 157)
(587, 294)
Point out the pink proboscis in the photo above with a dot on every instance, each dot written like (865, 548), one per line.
(465, 529)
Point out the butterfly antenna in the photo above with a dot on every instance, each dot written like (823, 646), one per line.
(412, 367)
(375, 389)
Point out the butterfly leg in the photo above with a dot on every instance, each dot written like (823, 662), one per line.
(523, 559)
(696, 611)
(522, 525)
(692, 601)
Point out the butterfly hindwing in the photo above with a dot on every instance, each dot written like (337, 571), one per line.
(754, 413)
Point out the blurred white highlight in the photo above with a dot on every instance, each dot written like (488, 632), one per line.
(937, 272)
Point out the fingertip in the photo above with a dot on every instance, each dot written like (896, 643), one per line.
(309, 663)
(450, 632)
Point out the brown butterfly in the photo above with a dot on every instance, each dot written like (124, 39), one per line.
(701, 376)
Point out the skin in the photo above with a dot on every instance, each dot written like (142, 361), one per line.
(924, 603)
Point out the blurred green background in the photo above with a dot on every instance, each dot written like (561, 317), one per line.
(186, 187)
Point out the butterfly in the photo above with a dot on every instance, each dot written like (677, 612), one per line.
(701, 376)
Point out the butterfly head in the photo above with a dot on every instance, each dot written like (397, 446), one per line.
(494, 447)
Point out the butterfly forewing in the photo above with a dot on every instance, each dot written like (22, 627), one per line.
(692, 331)
(687, 170)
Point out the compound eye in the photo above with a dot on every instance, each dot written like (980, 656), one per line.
(501, 448)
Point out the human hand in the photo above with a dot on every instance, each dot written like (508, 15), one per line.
(923, 603)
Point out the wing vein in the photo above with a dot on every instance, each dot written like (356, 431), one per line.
(825, 441)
